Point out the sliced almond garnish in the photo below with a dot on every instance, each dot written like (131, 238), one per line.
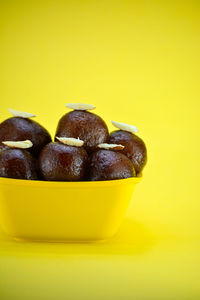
(111, 146)
(125, 127)
(80, 106)
(70, 141)
(21, 114)
(19, 144)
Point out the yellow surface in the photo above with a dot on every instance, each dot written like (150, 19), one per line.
(137, 62)
(64, 211)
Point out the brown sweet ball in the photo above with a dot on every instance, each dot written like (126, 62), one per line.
(20, 127)
(62, 162)
(84, 125)
(134, 147)
(17, 163)
(109, 165)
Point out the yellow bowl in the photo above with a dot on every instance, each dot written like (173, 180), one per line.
(64, 211)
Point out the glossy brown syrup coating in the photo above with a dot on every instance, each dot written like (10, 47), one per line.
(3, 147)
(61, 162)
(20, 129)
(83, 125)
(109, 165)
(134, 147)
(17, 163)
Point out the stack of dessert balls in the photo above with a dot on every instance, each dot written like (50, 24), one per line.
(83, 149)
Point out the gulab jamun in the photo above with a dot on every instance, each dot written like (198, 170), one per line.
(109, 165)
(134, 147)
(61, 162)
(85, 125)
(17, 163)
(22, 128)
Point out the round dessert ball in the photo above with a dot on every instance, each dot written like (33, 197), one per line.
(17, 163)
(109, 165)
(83, 125)
(19, 129)
(60, 162)
(134, 147)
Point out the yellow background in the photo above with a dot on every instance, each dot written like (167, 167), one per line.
(138, 62)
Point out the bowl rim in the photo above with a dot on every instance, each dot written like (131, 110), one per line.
(68, 184)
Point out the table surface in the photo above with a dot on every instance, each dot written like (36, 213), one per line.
(135, 264)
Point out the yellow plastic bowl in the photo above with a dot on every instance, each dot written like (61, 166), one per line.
(64, 211)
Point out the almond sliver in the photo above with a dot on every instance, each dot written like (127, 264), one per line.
(22, 114)
(80, 106)
(19, 144)
(111, 146)
(125, 127)
(70, 141)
